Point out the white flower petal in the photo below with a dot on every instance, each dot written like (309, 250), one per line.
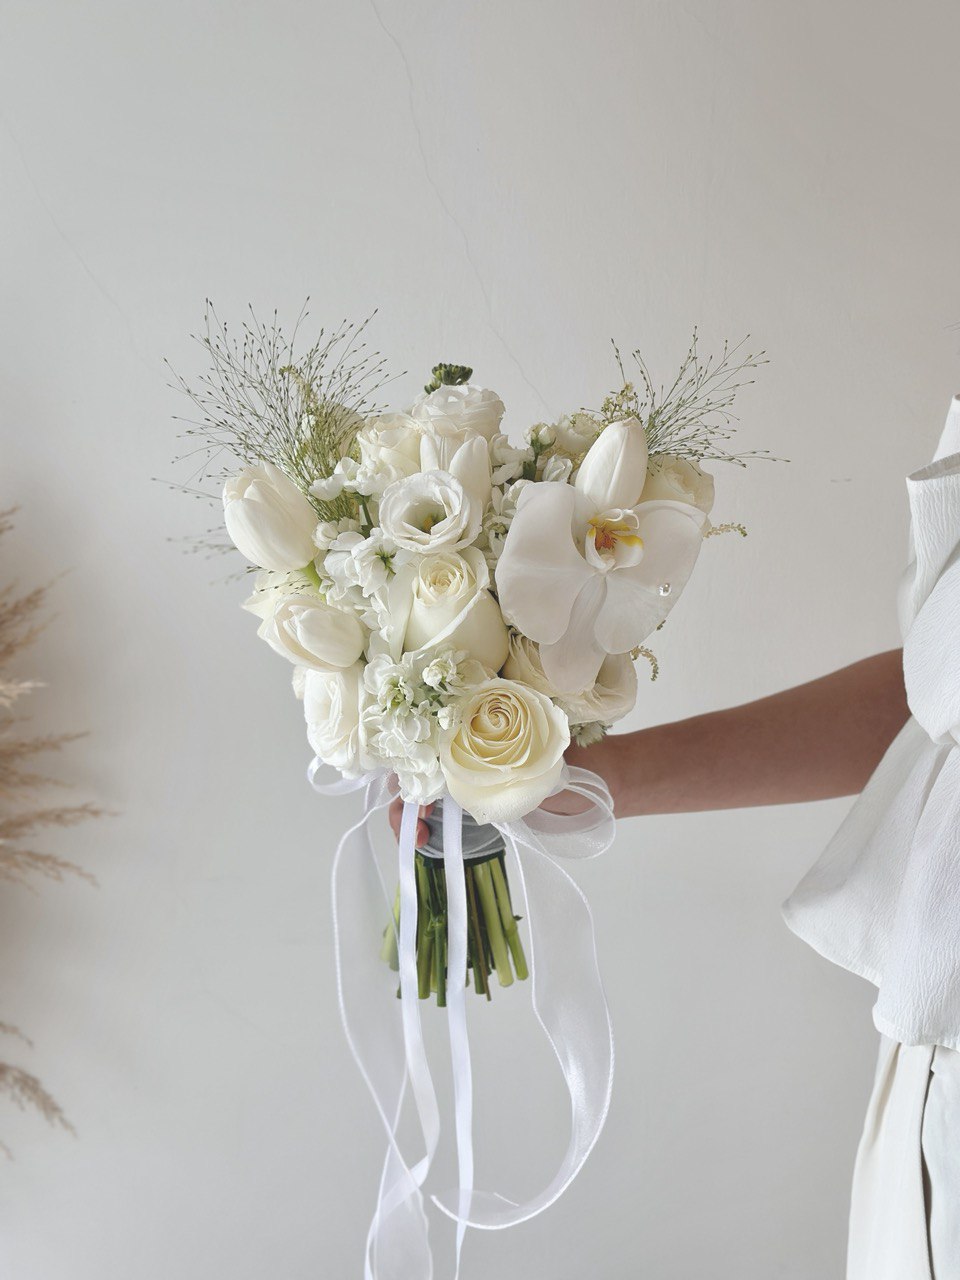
(540, 572)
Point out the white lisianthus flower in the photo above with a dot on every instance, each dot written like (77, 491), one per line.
(268, 519)
(331, 707)
(453, 408)
(587, 570)
(430, 511)
(576, 433)
(464, 455)
(447, 601)
(305, 629)
(678, 480)
(506, 754)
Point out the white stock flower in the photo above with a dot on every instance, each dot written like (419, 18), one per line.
(430, 511)
(353, 560)
(587, 570)
(448, 602)
(678, 480)
(300, 625)
(331, 707)
(499, 516)
(328, 531)
(268, 519)
(507, 460)
(505, 756)
(453, 408)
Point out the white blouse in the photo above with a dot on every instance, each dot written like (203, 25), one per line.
(884, 898)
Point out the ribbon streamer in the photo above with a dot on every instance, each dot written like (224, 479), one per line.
(566, 990)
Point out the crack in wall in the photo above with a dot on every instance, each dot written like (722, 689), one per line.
(448, 212)
(75, 252)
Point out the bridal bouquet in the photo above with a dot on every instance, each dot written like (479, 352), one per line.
(457, 605)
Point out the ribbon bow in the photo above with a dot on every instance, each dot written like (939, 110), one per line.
(387, 1042)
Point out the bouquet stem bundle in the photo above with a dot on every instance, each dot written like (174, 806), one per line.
(493, 939)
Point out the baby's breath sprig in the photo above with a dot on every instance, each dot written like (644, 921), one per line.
(693, 417)
(262, 401)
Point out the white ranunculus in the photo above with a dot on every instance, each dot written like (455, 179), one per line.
(331, 707)
(523, 664)
(453, 408)
(678, 480)
(505, 755)
(450, 604)
(430, 511)
(464, 455)
(302, 627)
(612, 696)
(268, 519)
(576, 433)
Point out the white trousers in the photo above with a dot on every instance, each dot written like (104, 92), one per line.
(905, 1208)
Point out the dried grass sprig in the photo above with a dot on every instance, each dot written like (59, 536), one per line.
(23, 812)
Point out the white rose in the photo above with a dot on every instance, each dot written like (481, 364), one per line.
(450, 604)
(393, 439)
(268, 519)
(302, 627)
(331, 707)
(505, 756)
(430, 511)
(678, 480)
(453, 408)
(576, 433)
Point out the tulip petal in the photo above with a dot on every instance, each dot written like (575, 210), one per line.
(540, 572)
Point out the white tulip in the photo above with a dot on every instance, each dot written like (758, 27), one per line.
(303, 628)
(678, 480)
(268, 519)
(453, 408)
(464, 454)
(331, 707)
(430, 511)
(613, 473)
(450, 604)
(505, 754)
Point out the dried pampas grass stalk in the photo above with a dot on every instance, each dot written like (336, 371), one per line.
(24, 813)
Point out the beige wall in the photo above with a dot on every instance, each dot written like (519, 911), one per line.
(512, 184)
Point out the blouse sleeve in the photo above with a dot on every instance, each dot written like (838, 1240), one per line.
(930, 595)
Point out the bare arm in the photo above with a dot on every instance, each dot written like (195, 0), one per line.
(812, 742)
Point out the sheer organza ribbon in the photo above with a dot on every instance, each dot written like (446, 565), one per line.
(388, 1044)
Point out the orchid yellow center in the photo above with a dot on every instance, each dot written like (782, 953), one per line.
(608, 533)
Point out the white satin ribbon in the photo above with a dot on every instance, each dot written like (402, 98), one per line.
(566, 989)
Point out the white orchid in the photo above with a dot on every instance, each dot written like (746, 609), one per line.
(587, 569)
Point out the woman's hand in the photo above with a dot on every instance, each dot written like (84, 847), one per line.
(395, 813)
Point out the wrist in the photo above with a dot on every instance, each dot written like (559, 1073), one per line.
(601, 758)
